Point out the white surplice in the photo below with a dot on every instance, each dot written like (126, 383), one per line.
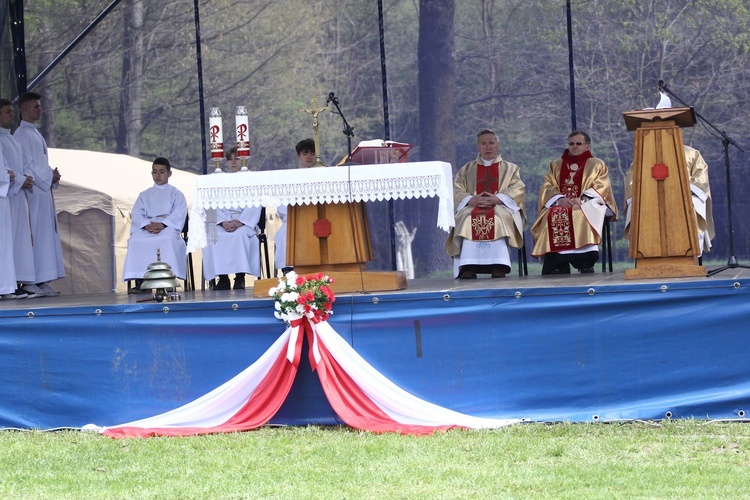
(235, 252)
(7, 269)
(23, 253)
(165, 204)
(47, 250)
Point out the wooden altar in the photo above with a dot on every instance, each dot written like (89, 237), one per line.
(331, 188)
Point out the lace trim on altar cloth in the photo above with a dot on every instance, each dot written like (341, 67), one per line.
(313, 186)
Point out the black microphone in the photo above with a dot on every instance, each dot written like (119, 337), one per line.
(662, 86)
(331, 97)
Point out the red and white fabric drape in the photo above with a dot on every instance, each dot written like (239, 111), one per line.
(360, 395)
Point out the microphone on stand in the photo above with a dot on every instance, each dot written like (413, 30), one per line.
(662, 86)
(331, 98)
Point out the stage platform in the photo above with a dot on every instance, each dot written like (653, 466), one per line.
(579, 348)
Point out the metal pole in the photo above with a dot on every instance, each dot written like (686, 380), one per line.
(72, 45)
(19, 44)
(386, 121)
(571, 67)
(204, 153)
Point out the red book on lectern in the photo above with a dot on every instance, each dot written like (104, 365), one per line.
(377, 151)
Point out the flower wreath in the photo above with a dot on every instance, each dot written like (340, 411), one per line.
(298, 296)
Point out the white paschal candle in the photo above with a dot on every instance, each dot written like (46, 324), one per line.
(242, 126)
(216, 134)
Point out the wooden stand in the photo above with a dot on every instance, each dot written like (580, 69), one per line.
(333, 238)
(663, 231)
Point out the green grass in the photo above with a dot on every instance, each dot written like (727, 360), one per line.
(677, 459)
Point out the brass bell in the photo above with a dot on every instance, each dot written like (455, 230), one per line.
(161, 279)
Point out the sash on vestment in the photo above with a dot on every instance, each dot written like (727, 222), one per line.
(483, 218)
(559, 219)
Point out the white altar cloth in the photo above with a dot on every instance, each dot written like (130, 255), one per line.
(304, 186)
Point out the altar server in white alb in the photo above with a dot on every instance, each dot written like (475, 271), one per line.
(23, 253)
(48, 260)
(236, 250)
(7, 269)
(158, 218)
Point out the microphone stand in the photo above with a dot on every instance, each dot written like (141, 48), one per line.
(725, 142)
(348, 130)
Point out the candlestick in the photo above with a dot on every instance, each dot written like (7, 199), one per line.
(216, 137)
(243, 135)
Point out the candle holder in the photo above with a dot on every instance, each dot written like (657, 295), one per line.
(217, 137)
(243, 136)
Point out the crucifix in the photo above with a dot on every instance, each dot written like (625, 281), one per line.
(315, 111)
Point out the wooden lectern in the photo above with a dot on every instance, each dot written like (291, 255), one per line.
(663, 230)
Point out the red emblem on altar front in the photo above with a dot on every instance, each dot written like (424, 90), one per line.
(659, 171)
(322, 228)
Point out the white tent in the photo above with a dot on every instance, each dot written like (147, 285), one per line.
(96, 194)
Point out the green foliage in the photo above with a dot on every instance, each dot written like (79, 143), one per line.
(512, 75)
(676, 459)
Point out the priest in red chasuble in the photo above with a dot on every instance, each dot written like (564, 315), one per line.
(575, 199)
(488, 195)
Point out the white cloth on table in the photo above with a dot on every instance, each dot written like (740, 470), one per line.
(23, 253)
(235, 252)
(47, 249)
(302, 186)
(165, 204)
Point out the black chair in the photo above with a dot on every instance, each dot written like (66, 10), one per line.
(606, 255)
(189, 282)
(523, 269)
(263, 242)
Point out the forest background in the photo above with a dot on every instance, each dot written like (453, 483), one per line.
(453, 67)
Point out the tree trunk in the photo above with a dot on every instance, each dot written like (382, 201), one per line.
(437, 86)
(129, 116)
(437, 80)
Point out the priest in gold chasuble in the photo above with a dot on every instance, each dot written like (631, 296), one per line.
(575, 199)
(488, 195)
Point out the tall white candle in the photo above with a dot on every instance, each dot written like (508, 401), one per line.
(242, 127)
(216, 134)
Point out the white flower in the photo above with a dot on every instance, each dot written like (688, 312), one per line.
(277, 305)
(272, 291)
(290, 297)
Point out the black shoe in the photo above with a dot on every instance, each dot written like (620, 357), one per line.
(222, 283)
(239, 281)
(562, 269)
(586, 270)
(467, 273)
(286, 270)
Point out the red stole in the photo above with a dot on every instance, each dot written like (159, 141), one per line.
(571, 174)
(483, 218)
(560, 220)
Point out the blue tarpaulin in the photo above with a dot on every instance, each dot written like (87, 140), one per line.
(619, 352)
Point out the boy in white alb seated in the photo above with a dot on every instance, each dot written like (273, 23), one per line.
(158, 218)
(237, 250)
